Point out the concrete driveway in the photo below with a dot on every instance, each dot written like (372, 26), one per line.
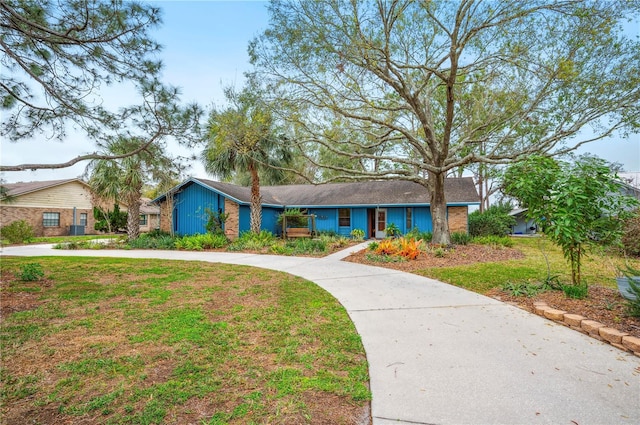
(439, 354)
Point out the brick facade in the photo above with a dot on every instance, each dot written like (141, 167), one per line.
(458, 219)
(232, 225)
(33, 216)
(166, 220)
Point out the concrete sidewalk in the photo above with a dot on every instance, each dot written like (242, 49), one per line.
(439, 354)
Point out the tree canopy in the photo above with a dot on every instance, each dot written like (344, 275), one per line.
(57, 56)
(578, 204)
(442, 85)
(243, 138)
(123, 179)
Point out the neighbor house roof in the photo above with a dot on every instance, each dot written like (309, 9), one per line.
(146, 207)
(378, 192)
(22, 188)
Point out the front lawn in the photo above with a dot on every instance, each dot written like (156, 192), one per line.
(131, 341)
(597, 268)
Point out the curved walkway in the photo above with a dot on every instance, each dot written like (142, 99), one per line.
(439, 354)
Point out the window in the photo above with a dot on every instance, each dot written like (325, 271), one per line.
(143, 219)
(344, 217)
(83, 219)
(409, 218)
(51, 219)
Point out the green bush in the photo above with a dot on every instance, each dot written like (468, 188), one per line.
(307, 246)
(578, 292)
(357, 234)
(252, 241)
(392, 230)
(381, 258)
(495, 241)
(633, 306)
(460, 238)
(215, 221)
(199, 242)
(526, 289)
(416, 234)
(495, 221)
(30, 272)
(17, 232)
(110, 221)
(153, 240)
(631, 235)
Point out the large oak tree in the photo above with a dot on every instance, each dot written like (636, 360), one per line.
(448, 84)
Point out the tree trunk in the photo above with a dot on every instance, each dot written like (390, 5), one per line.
(256, 201)
(133, 217)
(438, 209)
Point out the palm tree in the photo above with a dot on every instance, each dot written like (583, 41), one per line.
(243, 139)
(122, 180)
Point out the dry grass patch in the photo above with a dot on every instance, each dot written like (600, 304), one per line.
(149, 341)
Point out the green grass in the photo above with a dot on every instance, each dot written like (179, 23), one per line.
(597, 268)
(148, 341)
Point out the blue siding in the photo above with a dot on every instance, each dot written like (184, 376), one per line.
(269, 220)
(189, 210)
(326, 219)
(245, 219)
(358, 219)
(397, 216)
(422, 219)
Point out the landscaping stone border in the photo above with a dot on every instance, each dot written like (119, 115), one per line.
(594, 329)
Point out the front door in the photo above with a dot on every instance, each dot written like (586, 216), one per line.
(381, 223)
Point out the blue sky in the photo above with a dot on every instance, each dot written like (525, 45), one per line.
(205, 48)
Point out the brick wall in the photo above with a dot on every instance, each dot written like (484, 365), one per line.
(232, 225)
(33, 216)
(457, 219)
(166, 220)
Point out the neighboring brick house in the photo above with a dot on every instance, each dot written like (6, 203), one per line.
(149, 216)
(337, 207)
(50, 207)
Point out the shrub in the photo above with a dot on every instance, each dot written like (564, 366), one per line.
(215, 221)
(17, 232)
(386, 247)
(494, 221)
(527, 289)
(357, 234)
(392, 230)
(30, 272)
(631, 235)
(578, 292)
(633, 306)
(252, 241)
(377, 258)
(110, 221)
(460, 238)
(153, 240)
(409, 248)
(495, 241)
(439, 252)
(416, 234)
(199, 242)
(307, 246)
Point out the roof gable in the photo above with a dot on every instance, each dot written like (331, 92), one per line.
(22, 188)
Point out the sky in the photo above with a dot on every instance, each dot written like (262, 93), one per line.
(205, 48)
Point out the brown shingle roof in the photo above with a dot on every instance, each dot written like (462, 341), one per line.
(386, 192)
(21, 188)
